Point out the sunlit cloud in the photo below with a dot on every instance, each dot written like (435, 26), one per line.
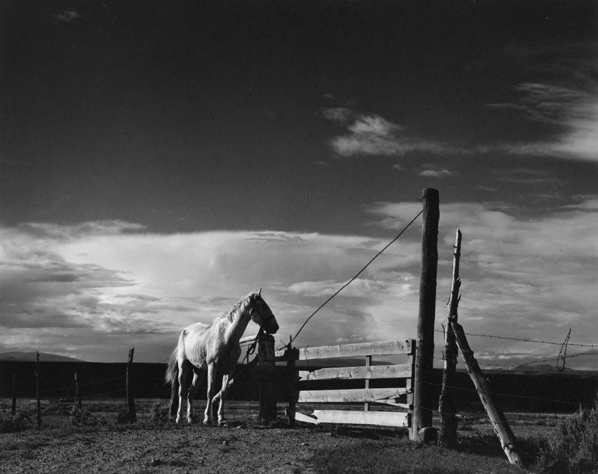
(434, 171)
(93, 294)
(129, 285)
(374, 135)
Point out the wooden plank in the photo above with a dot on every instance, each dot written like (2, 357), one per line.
(373, 395)
(355, 350)
(378, 418)
(305, 418)
(356, 373)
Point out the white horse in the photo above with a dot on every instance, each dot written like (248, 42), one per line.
(214, 348)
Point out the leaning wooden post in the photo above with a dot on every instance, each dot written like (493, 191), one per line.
(14, 395)
(132, 416)
(447, 436)
(265, 373)
(423, 406)
(38, 413)
(496, 415)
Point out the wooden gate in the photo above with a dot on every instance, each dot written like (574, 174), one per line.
(391, 405)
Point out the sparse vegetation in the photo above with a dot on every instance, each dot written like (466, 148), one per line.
(13, 424)
(573, 445)
(160, 412)
(401, 456)
(124, 417)
(82, 417)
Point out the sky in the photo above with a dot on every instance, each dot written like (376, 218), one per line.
(159, 160)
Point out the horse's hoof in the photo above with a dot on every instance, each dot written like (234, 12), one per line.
(223, 424)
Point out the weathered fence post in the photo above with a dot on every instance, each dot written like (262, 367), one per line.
(291, 355)
(77, 392)
(368, 363)
(14, 395)
(38, 413)
(265, 373)
(496, 415)
(132, 415)
(447, 436)
(423, 406)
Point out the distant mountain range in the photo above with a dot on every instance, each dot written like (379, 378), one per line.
(31, 357)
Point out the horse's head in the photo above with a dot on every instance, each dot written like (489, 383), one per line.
(261, 313)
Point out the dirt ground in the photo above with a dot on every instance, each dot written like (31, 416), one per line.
(149, 447)
(184, 449)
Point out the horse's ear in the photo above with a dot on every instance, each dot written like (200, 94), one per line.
(259, 293)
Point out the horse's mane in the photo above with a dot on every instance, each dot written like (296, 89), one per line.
(239, 305)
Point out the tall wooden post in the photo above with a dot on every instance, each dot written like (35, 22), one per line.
(292, 356)
(368, 363)
(38, 413)
(423, 403)
(265, 372)
(447, 437)
(77, 392)
(14, 395)
(132, 415)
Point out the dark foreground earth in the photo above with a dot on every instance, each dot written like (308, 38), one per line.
(164, 449)
(245, 446)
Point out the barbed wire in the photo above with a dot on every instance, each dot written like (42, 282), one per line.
(525, 340)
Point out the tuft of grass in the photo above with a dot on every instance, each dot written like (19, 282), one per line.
(14, 424)
(125, 417)
(160, 413)
(574, 443)
(82, 417)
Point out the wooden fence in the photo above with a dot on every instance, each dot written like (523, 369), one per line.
(398, 396)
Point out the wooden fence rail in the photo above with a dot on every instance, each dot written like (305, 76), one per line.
(400, 398)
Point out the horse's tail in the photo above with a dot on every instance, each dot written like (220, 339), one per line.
(172, 377)
(172, 371)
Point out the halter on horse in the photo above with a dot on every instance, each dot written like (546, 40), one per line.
(214, 348)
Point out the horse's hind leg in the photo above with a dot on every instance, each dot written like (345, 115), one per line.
(183, 371)
(197, 377)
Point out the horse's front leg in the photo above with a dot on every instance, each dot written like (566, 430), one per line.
(197, 377)
(221, 396)
(182, 390)
(211, 384)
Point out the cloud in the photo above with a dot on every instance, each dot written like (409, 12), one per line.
(573, 111)
(374, 135)
(67, 16)
(93, 295)
(526, 176)
(100, 282)
(340, 115)
(529, 278)
(433, 171)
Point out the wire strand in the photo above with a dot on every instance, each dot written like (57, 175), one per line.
(355, 277)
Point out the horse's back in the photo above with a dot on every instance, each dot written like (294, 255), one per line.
(193, 343)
